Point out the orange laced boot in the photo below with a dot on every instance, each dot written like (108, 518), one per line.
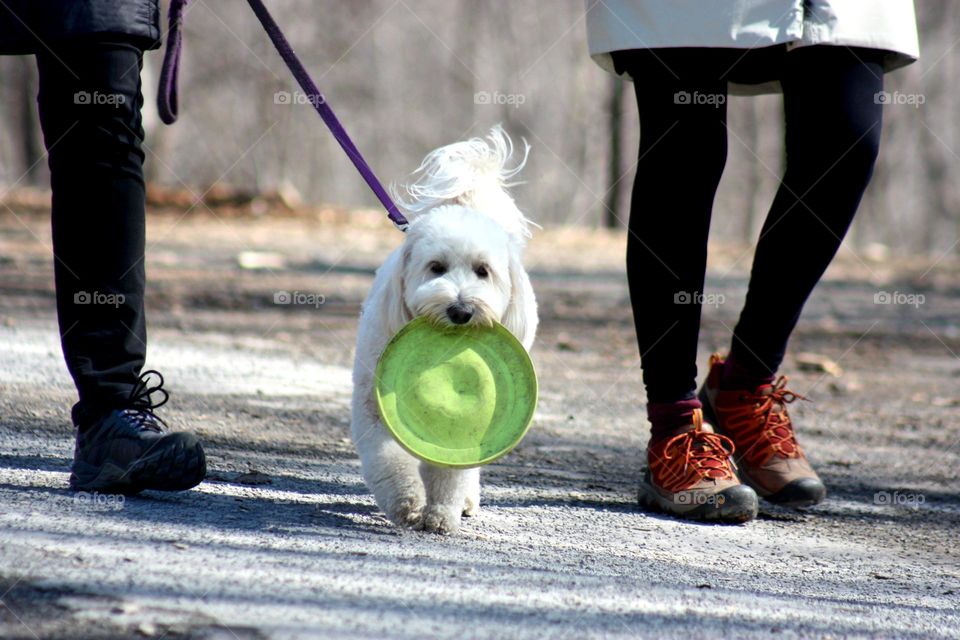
(770, 460)
(691, 476)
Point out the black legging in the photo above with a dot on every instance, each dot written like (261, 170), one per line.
(89, 101)
(832, 138)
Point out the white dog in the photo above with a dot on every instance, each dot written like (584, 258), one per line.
(459, 265)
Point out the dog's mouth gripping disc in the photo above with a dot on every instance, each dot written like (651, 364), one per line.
(456, 396)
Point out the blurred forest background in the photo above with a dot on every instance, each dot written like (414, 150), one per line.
(406, 76)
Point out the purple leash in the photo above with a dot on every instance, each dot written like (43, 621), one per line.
(167, 96)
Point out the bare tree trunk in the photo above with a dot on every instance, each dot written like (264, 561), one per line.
(30, 144)
(615, 165)
(751, 138)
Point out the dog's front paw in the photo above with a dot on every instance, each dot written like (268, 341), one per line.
(407, 512)
(471, 506)
(439, 519)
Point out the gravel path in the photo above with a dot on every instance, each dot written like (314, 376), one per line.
(283, 540)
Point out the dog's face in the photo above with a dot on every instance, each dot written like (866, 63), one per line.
(457, 268)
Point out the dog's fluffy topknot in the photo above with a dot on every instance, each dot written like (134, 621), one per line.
(474, 173)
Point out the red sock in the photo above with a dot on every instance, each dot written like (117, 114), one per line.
(737, 376)
(667, 419)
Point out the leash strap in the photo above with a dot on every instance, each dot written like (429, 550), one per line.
(167, 94)
(167, 102)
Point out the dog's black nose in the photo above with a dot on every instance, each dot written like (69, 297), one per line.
(459, 313)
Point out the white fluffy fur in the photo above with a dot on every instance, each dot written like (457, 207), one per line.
(473, 173)
(461, 217)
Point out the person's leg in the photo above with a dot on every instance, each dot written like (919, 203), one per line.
(681, 99)
(89, 102)
(833, 123)
(832, 136)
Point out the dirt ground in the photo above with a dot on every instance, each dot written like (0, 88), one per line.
(284, 541)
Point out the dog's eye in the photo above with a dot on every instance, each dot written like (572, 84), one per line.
(438, 268)
(482, 271)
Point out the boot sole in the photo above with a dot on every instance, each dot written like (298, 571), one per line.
(789, 496)
(178, 464)
(739, 505)
(804, 492)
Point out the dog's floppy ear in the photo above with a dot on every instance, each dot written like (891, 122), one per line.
(394, 313)
(521, 314)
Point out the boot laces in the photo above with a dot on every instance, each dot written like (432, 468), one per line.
(140, 408)
(705, 453)
(770, 414)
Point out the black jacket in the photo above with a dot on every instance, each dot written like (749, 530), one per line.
(27, 26)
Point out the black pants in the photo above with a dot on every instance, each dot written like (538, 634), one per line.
(89, 101)
(832, 138)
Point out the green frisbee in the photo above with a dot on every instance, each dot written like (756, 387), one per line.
(456, 396)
